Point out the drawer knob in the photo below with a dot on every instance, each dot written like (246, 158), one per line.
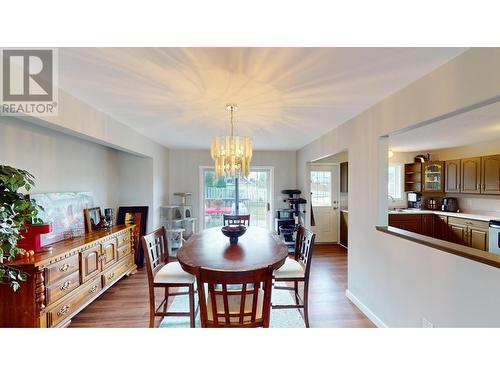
(64, 267)
(93, 289)
(111, 275)
(64, 310)
(65, 285)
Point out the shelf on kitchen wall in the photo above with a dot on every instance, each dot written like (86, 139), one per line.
(413, 177)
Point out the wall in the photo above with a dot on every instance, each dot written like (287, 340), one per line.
(61, 162)
(395, 281)
(58, 161)
(184, 172)
(135, 182)
(80, 120)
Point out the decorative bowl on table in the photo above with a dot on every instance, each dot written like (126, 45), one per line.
(233, 232)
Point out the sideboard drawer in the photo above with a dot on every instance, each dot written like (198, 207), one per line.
(61, 269)
(116, 272)
(62, 287)
(124, 238)
(123, 251)
(67, 308)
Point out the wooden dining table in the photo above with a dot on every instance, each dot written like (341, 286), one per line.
(257, 248)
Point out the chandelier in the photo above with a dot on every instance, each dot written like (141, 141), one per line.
(231, 154)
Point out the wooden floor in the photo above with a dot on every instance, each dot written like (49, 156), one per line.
(126, 303)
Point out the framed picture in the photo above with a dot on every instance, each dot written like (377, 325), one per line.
(65, 211)
(92, 218)
(137, 215)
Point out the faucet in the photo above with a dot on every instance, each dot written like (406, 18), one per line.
(391, 198)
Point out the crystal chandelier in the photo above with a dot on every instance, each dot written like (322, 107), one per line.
(231, 154)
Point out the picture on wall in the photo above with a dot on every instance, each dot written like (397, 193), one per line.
(65, 212)
(137, 215)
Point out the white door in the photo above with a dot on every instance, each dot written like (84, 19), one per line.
(325, 191)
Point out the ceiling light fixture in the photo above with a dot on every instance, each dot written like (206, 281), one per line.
(231, 154)
(390, 154)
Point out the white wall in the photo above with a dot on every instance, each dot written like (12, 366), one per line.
(396, 280)
(60, 162)
(184, 172)
(80, 120)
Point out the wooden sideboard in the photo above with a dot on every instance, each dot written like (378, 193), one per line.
(67, 277)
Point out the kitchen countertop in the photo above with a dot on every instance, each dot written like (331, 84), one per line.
(463, 215)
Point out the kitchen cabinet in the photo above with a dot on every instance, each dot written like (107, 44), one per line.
(490, 174)
(457, 232)
(452, 176)
(428, 225)
(409, 222)
(441, 227)
(433, 177)
(344, 177)
(344, 220)
(472, 233)
(413, 177)
(462, 231)
(470, 180)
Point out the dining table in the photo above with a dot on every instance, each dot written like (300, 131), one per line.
(210, 248)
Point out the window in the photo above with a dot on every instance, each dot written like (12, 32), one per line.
(220, 194)
(321, 188)
(395, 182)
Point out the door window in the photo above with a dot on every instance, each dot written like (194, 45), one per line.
(321, 188)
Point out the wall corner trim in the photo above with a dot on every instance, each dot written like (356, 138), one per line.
(365, 310)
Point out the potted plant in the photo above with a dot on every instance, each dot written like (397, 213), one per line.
(17, 211)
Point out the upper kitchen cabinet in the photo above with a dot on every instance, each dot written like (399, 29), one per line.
(344, 170)
(490, 174)
(433, 176)
(471, 175)
(452, 176)
(413, 177)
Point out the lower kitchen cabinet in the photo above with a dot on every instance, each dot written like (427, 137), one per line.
(472, 233)
(441, 227)
(428, 225)
(409, 222)
(478, 237)
(457, 233)
(462, 231)
(344, 218)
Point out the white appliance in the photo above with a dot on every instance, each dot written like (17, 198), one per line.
(494, 236)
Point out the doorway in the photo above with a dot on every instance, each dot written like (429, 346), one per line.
(324, 185)
(233, 196)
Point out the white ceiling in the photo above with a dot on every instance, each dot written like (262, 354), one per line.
(479, 125)
(287, 96)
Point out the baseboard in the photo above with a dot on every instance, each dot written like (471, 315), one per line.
(369, 314)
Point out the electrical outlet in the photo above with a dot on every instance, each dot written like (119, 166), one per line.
(426, 323)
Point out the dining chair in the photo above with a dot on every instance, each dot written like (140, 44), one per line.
(234, 299)
(165, 274)
(237, 220)
(297, 270)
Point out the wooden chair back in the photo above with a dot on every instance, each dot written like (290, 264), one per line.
(304, 244)
(234, 299)
(155, 252)
(237, 220)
